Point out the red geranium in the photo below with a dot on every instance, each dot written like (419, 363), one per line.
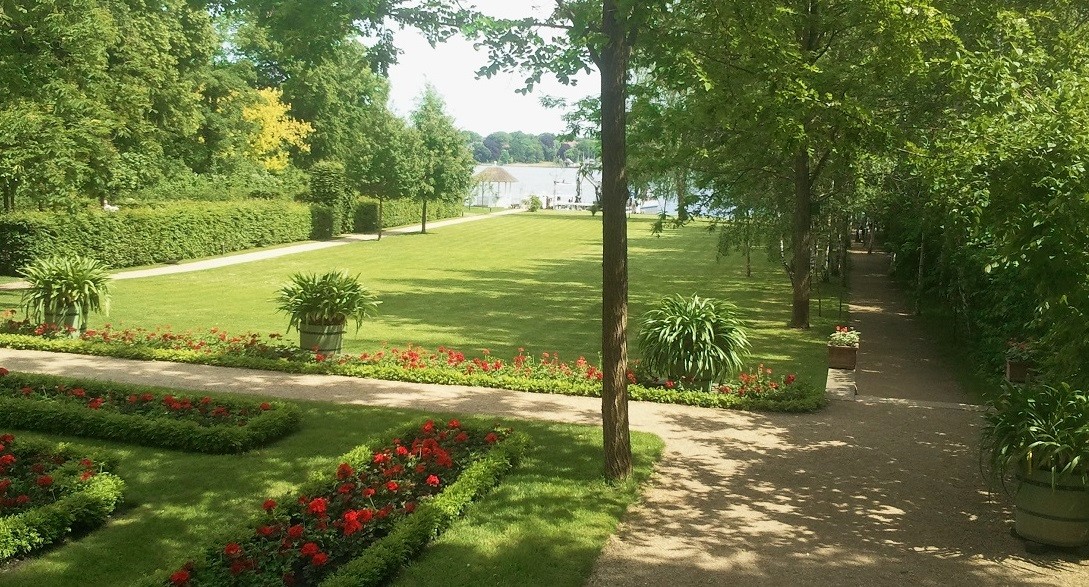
(45, 481)
(319, 559)
(269, 505)
(309, 549)
(180, 577)
(433, 480)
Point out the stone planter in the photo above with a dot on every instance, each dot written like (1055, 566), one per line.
(326, 339)
(68, 320)
(842, 357)
(1017, 371)
(1057, 515)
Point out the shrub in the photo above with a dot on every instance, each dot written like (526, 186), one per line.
(329, 187)
(1038, 428)
(390, 500)
(59, 286)
(400, 212)
(143, 236)
(325, 222)
(48, 492)
(692, 339)
(534, 203)
(140, 415)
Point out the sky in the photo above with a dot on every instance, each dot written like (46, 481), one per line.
(481, 105)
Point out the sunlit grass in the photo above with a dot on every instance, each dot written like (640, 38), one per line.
(527, 280)
(176, 500)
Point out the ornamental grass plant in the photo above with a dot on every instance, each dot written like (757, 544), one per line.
(692, 339)
(329, 299)
(65, 285)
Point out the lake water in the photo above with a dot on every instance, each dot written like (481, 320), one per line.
(555, 186)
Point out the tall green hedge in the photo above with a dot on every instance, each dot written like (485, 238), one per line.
(400, 212)
(143, 236)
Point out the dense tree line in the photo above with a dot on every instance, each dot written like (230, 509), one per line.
(519, 147)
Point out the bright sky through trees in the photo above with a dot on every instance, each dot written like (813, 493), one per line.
(484, 105)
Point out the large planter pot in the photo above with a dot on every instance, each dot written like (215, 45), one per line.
(67, 320)
(326, 339)
(842, 357)
(1057, 515)
(1017, 371)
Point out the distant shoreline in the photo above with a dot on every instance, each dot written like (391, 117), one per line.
(544, 164)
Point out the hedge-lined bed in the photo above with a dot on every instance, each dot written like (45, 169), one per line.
(755, 390)
(140, 415)
(358, 525)
(48, 492)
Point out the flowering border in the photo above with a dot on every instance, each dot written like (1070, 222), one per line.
(336, 519)
(578, 379)
(47, 403)
(86, 498)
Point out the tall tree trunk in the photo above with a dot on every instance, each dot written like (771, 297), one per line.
(680, 186)
(423, 219)
(801, 277)
(614, 252)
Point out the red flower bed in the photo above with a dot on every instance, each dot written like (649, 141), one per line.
(301, 541)
(31, 477)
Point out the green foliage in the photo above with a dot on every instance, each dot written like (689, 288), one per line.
(328, 299)
(402, 212)
(143, 236)
(692, 339)
(60, 285)
(1038, 428)
(328, 187)
(83, 509)
(448, 164)
(534, 204)
(77, 419)
(325, 222)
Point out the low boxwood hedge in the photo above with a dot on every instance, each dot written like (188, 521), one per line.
(85, 496)
(411, 522)
(141, 415)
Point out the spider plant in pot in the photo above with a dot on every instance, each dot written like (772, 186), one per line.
(1040, 434)
(319, 307)
(64, 291)
(695, 341)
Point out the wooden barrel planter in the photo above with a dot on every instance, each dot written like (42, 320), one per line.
(67, 320)
(326, 339)
(1057, 515)
(842, 357)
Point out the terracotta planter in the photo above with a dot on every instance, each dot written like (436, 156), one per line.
(1052, 514)
(326, 339)
(1017, 371)
(842, 357)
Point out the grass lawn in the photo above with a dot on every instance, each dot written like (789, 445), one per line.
(525, 280)
(544, 525)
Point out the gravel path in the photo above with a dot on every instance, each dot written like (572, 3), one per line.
(884, 489)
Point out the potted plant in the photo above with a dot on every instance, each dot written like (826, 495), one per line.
(64, 291)
(1040, 434)
(1019, 361)
(319, 307)
(694, 340)
(843, 348)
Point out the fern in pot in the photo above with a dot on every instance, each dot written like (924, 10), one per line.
(694, 340)
(320, 306)
(1040, 434)
(64, 291)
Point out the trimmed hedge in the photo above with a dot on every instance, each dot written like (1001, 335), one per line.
(78, 420)
(381, 561)
(400, 212)
(325, 222)
(807, 398)
(85, 508)
(143, 236)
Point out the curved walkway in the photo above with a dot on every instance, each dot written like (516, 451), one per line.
(235, 259)
(863, 493)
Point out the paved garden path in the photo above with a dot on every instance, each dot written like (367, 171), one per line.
(252, 256)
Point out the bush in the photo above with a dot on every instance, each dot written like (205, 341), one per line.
(140, 415)
(325, 222)
(534, 204)
(329, 187)
(65, 491)
(400, 212)
(696, 340)
(144, 236)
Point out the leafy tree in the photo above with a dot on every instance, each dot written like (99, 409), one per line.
(447, 162)
(277, 132)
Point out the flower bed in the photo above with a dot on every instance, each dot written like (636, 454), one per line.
(140, 415)
(358, 525)
(47, 492)
(544, 374)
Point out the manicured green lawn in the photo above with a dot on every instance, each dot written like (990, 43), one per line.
(556, 497)
(526, 280)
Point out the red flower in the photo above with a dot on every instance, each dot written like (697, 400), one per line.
(295, 532)
(7, 438)
(266, 531)
(789, 379)
(132, 399)
(461, 437)
(392, 486)
(428, 427)
(7, 460)
(433, 480)
(265, 406)
(96, 403)
(86, 475)
(45, 481)
(238, 567)
(491, 438)
(380, 457)
(410, 507)
(402, 451)
(344, 470)
(79, 392)
(318, 506)
(368, 492)
(3, 372)
(232, 549)
(27, 390)
(453, 424)
(269, 505)
(180, 577)
(147, 397)
(309, 549)
(669, 384)
(319, 559)
(22, 499)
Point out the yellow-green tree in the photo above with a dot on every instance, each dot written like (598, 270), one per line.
(277, 133)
